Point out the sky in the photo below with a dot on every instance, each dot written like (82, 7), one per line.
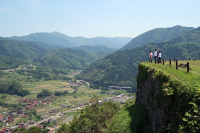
(94, 18)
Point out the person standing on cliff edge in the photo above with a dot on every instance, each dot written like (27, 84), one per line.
(155, 55)
(159, 57)
(150, 57)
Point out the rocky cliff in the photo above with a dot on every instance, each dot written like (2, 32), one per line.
(170, 104)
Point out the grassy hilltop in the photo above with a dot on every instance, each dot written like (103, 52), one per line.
(192, 78)
(175, 93)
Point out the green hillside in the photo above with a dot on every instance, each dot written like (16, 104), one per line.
(19, 49)
(157, 35)
(56, 38)
(96, 48)
(120, 67)
(14, 53)
(69, 58)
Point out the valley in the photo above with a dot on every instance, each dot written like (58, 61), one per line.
(57, 109)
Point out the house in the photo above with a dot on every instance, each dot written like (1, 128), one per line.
(13, 128)
(24, 115)
(20, 111)
(22, 124)
(11, 70)
(5, 130)
(63, 106)
(2, 131)
(49, 120)
(32, 122)
(6, 124)
(111, 92)
(5, 118)
(40, 126)
(118, 96)
(10, 120)
(1, 118)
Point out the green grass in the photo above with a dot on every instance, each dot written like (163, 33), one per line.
(70, 113)
(133, 119)
(192, 78)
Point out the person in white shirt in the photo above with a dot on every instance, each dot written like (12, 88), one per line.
(155, 55)
(159, 57)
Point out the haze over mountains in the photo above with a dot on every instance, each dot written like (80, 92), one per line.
(96, 48)
(58, 40)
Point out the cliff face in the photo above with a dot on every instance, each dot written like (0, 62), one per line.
(147, 94)
(167, 101)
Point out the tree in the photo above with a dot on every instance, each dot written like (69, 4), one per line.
(3, 96)
(44, 93)
(117, 93)
(91, 119)
(63, 129)
(103, 92)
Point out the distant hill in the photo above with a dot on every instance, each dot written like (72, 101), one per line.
(14, 53)
(96, 48)
(18, 49)
(56, 38)
(69, 58)
(157, 35)
(121, 67)
(44, 45)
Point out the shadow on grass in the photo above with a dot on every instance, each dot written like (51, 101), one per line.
(140, 122)
(132, 119)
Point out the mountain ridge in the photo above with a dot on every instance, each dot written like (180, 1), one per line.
(56, 38)
(157, 35)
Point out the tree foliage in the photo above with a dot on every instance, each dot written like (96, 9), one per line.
(91, 119)
(13, 88)
(44, 93)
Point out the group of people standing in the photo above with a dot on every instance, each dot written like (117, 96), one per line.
(157, 56)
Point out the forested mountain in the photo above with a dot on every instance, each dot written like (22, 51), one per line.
(44, 45)
(96, 48)
(56, 38)
(120, 67)
(69, 58)
(157, 35)
(20, 49)
(14, 53)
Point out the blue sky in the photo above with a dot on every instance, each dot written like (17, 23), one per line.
(91, 18)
